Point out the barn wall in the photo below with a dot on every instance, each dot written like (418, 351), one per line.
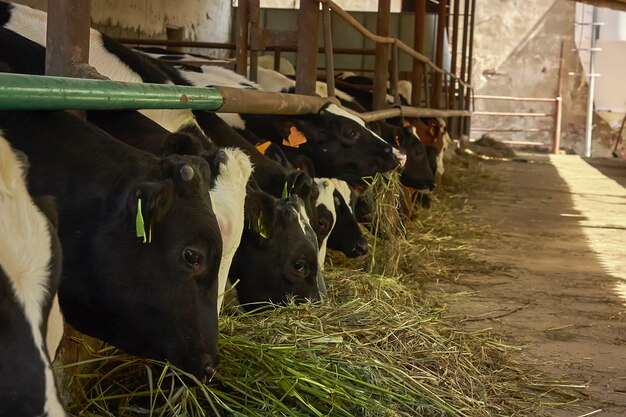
(516, 53)
(201, 20)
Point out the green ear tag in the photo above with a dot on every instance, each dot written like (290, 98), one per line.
(261, 226)
(285, 192)
(140, 228)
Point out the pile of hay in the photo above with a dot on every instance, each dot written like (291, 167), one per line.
(378, 347)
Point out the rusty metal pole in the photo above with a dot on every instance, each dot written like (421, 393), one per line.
(469, 92)
(254, 11)
(306, 59)
(453, 123)
(558, 111)
(418, 45)
(381, 59)
(441, 27)
(67, 38)
(328, 50)
(461, 96)
(394, 74)
(242, 37)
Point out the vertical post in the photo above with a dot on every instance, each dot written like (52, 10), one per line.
(556, 141)
(242, 37)
(277, 52)
(254, 11)
(328, 50)
(469, 92)
(67, 37)
(418, 45)
(592, 84)
(394, 74)
(453, 121)
(461, 96)
(381, 60)
(441, 27)
(306, 59)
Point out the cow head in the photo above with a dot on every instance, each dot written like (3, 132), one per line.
(338, 144)
(277, 258)
(346, 236)
(152, 289)
(418, 172)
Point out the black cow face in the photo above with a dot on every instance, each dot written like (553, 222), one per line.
(338, 144)
(154, 295)
(277, 257)
(417, 172)
(346, 236)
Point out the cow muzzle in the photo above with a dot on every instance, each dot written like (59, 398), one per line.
(399, 156)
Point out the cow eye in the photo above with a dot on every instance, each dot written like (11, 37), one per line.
(300, 267)
(324, 224)
(192, 257)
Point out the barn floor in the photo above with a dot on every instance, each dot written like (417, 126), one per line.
(558, 228)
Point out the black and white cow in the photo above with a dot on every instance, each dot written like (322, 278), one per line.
(154, 299)
(30, 272)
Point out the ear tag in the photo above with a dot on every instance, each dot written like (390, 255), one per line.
(262, 146)
(396, 137)
(140, 229)
(261, 226)
(295, 139)
(431, 130)
(285, 193)
(405, 123)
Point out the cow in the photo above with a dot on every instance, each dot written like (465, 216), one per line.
(278, 224)
(141, 242)
(30, 272)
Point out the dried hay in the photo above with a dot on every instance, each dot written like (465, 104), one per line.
(378, 347)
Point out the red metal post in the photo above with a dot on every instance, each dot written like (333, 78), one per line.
(418, 45)
(306, 59)
(441, 27)
(381, 60)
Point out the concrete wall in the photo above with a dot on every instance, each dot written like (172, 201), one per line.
(516, 53)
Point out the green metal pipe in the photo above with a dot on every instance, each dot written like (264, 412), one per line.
(36, 92)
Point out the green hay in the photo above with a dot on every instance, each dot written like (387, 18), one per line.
(378, 347)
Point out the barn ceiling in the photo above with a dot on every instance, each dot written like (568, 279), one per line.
(612, 4)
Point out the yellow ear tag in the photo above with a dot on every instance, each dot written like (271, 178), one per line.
(285, 193)
(295, 139)
(262, 146)
(432, 130)
(140, 229)
(405, 123)
(261, 226)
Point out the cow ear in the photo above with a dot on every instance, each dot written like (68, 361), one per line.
(291, 131)
(275, 153)
(149, 204)
(259, 209)
(182, 143)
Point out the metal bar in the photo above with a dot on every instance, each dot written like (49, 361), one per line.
(408, 111)
(242, 38)
(454, 123)
(277, 53)
(35, 92)
(470, 56)
(308, 28)
(504, 113)
(558, 111)
(394, 75)
(462, 89)
(441, 28)
(253, 13)
(67, 36)
(509, 130)
(381, 59)
(170, 42)
(328, 47)
(418, 44)
(592, 84)
(618, 138)
(524, 143)
(511, 98)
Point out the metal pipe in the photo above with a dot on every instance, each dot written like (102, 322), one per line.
(558, 111)
(592, 84)
(469, 91)
(242, 38)
(67, 36)
(418, 44)
(408, 111)
(253, 11)
(454, 123)
(510, 130)
(238, 100)
(306, 59)
(328, 47)
(441, 28)
(511, 98)
(505, 113)
(394, 75)
(381, 59)
(462, 89)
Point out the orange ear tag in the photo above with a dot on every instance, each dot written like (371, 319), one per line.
(262, 146)
(405, 123)
(295, 139)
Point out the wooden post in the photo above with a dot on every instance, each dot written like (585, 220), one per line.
(441, 27)
(381, 60)
(306, 59)
(418, 45)
(242, 38)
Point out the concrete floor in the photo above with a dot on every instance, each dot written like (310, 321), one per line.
(559, 227)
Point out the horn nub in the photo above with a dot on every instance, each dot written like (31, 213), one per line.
(187, 173)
